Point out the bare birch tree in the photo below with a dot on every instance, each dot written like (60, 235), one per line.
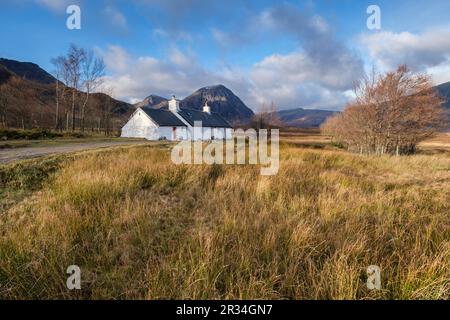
(107, 108)
(61, 73)
(4, 102)
(267, 118)
(80, 70)
(391, 114)
(73, 65)
(93, 70)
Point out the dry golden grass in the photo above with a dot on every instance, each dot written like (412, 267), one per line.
(440, 143)
(141, 227)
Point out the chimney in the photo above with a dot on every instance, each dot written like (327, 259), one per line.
(207, 108)
(174, 104)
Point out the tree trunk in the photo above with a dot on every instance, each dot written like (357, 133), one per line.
(83, 108)
(73, 110)
(57, 106)
(4, 124)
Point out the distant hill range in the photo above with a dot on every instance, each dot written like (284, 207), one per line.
(28, 98)
(444, 91)
(309, 118)
(28, 71)
(153, 101)
(304, 118)
(221, 100)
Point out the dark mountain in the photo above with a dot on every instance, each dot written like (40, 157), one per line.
(304, 118)
(28, 71)
(119, 108)
(153, 101)
(5, 75)
(307, 118)
(444, 91)
(32, 103)
(221, 100)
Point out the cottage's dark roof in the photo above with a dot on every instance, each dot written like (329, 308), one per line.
(207, 119)
(163, 118)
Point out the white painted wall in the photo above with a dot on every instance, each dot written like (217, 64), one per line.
(218, 133)
(196, 133)
(182, 133)
(168, 133)
(152, 133)
(139, 126)
(228, 133)
(207, 133)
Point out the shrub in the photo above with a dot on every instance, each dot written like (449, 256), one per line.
(391, 114)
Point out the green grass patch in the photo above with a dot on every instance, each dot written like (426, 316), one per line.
(19, 180)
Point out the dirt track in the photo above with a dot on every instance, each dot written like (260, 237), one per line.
(11, 155)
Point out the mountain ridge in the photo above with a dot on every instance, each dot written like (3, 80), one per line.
(152, 100)
(221, 100)
(28, 70)
(304, 118)
(28, 99)
(39, 85)
(444, 90)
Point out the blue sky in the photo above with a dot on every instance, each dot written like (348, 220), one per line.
(294, 53)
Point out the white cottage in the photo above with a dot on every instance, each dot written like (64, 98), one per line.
(176, 124)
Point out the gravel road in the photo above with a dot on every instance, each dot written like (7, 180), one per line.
(11, 155)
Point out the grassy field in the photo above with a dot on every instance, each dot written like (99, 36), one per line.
(140, 227)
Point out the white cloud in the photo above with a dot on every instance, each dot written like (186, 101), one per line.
(440, 74)
(289, 81)
(160, 33)
(116, 59)
(295, 80)
(55, 5)
(220, 37)
(134, 78)
(233, 40)
(418, 51)
(424, 52)
(180, 59)
(116, 18)
(318, 75)
(298, 68)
